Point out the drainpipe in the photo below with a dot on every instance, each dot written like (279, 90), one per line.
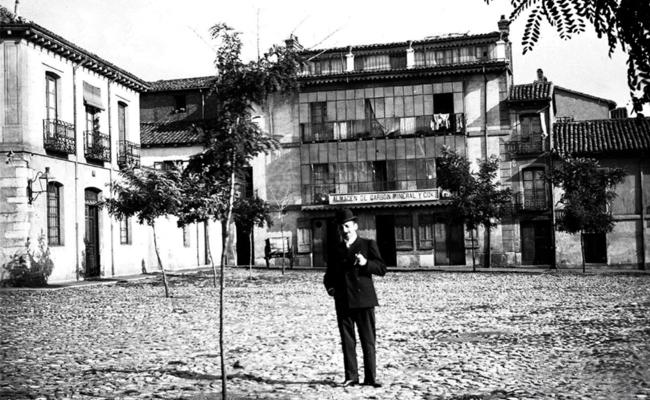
(110, 172)
(76, 170)
(643, 236)
(485, 151)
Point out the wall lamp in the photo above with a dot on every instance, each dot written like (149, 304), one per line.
(39, 177)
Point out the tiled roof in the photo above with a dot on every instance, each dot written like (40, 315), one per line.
(14, 28)
(180, 133)
(602, 136)
(531, 92)
(181, 84)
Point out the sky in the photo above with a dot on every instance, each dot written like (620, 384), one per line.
(167, 39)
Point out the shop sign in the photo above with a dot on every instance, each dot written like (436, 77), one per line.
(385, 197)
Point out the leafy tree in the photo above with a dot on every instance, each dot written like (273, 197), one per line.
(148, 194)
(200, 204)
(249, 212)
(622, 21)
(232, 137)
(588, 191)
(476, 197)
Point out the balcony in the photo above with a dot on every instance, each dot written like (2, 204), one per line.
(518, 145)
(393, 127)
(58, 136)
(530, 202)
(128, 155)
(97, 146)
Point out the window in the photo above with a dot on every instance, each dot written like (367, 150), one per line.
(425, 232)
(530, 125)
(186, 236)
(92, 119)
(121, 120)
(180, 103)
(51, 96)
(403, 232)
(534, 188)
(54, 225)
(125, 231)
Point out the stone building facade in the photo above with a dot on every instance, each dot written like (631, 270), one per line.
(70, 122)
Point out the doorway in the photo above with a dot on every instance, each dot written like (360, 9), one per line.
(91, 239)
(595, 247)
(386, 238)
(243, 245)
(536, 242)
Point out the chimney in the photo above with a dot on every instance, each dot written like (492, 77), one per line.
(504, 28)
(292, 43)
(619, 113)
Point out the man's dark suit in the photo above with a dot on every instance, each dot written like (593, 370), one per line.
(355, 299)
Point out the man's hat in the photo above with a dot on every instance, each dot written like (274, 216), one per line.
(344, 215)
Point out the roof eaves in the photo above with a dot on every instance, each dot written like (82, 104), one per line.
(48, 39)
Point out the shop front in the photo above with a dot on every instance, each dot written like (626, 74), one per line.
(412, 227)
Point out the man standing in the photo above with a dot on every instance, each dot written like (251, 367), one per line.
(349, 280)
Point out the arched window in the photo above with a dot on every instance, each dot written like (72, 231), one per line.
(54, 214)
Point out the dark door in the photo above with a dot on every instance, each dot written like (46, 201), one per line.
(449, 243)
(535, 242)
(92, 233)
(319, 243)
(243, 246)
(386, 238)
(595, 247)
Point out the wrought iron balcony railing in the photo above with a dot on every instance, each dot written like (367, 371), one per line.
(97, 146)
(529, 202)
(128, 155)
(526, 145)
(59, 136)
(393, 127)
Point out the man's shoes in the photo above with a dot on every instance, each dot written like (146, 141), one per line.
(372, 383)
(350, 382)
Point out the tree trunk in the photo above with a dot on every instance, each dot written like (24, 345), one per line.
(155, 246)
(582, 251)
(225, 234)
(250, 254)
(473, 251)
(282, 236)
(488, 250)
(207, 246)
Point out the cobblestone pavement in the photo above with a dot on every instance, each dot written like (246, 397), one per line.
(440, 336)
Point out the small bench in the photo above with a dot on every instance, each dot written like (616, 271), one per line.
(273, 249)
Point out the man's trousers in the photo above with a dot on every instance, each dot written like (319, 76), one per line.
(364, 318)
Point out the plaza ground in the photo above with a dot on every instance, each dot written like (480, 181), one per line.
(441, 335)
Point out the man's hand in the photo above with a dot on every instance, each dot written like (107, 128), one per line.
(361, 260)
(330, 291)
